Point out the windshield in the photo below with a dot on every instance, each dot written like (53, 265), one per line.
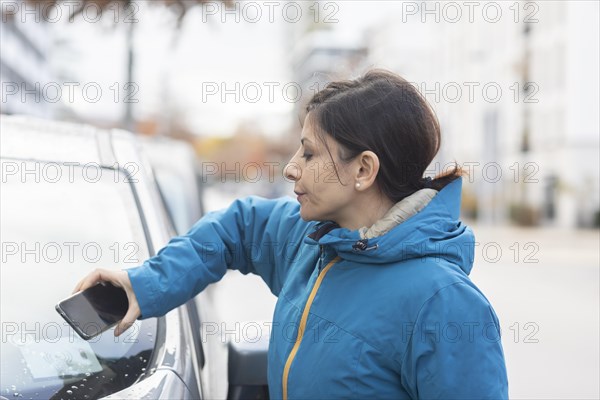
(59, 222)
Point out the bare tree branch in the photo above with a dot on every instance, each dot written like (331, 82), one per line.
(180, 7)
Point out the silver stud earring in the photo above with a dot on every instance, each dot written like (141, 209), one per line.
(357, 185)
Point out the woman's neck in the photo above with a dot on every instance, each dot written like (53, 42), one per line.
(367, 210)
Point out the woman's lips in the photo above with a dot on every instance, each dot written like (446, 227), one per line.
(300, 196)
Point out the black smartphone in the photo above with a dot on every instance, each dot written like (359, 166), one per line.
(95, 309)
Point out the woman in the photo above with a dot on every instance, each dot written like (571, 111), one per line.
(370, 264)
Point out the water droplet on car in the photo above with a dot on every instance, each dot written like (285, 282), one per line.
(143, 369)
(12, 387)
(87, 374)
(69, 392)
(126, 375)
(74, 387)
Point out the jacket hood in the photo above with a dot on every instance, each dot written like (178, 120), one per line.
(430, 231)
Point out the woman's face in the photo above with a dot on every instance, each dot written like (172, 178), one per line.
(322, 195)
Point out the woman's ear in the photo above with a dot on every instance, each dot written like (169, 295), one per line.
(366, 169)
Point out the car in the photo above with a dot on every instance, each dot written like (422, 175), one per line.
(74, 198)
(178, 175)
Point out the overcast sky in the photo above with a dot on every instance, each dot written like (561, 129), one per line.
(186, 77)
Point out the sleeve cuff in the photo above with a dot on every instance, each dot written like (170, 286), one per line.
(145, 292)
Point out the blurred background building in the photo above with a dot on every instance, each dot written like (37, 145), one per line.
(25, 65)
(543, 122)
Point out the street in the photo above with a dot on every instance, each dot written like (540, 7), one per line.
(548, 310)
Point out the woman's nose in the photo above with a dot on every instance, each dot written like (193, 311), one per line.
(292, 171)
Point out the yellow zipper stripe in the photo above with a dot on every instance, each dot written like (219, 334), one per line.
(302, 327)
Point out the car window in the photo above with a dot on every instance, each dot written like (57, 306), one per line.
(173, 190)
(59, 222)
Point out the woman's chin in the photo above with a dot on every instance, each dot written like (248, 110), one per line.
(305, 214)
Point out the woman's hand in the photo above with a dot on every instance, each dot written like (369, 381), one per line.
(119, 279)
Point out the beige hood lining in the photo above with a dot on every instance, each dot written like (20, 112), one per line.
(399, 213)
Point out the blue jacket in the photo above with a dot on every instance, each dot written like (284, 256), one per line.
(394, 316)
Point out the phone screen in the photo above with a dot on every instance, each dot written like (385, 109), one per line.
(94, 310)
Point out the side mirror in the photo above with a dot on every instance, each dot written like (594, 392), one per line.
(247, 370)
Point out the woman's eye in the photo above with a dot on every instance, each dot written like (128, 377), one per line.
(306, 156)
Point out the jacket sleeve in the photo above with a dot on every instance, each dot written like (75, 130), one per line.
(253, 235)
(455, 351)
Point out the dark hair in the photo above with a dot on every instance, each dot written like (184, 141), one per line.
(382, 112)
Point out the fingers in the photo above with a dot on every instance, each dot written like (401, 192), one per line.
(132, 315)
(133, 312)
(90, 280)
(97, 275)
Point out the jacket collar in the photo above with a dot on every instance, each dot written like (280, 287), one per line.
(419, 227)
(323, 228)
(399, 213)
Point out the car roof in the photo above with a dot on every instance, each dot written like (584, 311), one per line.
(38, 139)
(24, 137)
